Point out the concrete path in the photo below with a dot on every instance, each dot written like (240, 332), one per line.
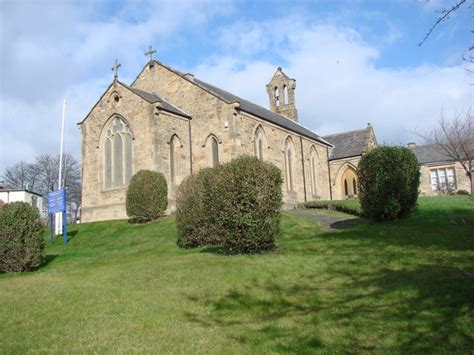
(330, 220)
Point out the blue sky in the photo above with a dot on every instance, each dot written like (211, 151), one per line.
(354, 61)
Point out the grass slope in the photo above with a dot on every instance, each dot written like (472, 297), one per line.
(395, 286)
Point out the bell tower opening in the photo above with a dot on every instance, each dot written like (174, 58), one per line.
(281, 92)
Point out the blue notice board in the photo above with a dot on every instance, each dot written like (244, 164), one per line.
(57, 201)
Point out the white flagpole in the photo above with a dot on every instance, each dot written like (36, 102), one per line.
(59, 215)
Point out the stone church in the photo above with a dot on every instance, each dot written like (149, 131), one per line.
(174, 123)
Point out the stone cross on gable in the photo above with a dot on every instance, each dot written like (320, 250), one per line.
(115, 69)
(150, 53)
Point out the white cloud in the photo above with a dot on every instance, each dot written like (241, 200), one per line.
(56, 50)
(339, 86)
(64, 50)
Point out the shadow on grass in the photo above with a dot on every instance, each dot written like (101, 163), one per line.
(347, 223)
(420, 310)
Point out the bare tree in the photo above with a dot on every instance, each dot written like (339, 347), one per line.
(445, 14)
(42, 177)
(455, 138)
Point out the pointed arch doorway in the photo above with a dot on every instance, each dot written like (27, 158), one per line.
(349, 183)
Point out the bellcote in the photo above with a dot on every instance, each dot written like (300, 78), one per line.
(281, 92)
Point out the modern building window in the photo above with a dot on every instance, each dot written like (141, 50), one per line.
(117, 154)
(258, 144)
(443, 179)
(289, 164)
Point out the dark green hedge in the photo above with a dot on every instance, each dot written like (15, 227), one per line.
(194, 220)
(235, 206)
(147, 196)
(21, 240)
(389, 178)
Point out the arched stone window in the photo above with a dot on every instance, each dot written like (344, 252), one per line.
(259, 143)
(289, 164)
(313, 172)
(277, 96)
(117, 154)
(285, 94)
(175, 144)
(214, 152)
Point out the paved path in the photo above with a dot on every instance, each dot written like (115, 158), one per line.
(330, 220)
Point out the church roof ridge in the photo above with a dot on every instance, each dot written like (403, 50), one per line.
(144, 95)
(153, 98)
(247, 106)
(346, 132)
(348, 144)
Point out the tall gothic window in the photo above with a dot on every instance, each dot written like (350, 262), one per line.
(258, 144)
(117, 154)
(174, 145)
(289, 163)
(214, 152)
(312, 163)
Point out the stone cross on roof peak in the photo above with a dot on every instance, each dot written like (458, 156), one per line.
(150, 53)
(115, 69)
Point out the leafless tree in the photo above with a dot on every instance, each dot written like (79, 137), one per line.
(42, 177)
(444, 14)
(455, 138)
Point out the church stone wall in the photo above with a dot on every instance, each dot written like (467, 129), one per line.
(235, 130)
(98, 202)
(275, 138)
(210, 115)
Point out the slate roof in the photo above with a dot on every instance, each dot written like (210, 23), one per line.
(261, 112)
(429, 153)
(348, 144)
(153, 98)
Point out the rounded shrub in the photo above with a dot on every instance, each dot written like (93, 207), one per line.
(147, 196)
(248, 198)
(194, 219)
(388, 183)
(235, 206)
(21, 240)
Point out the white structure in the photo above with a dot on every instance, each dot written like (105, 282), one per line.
(23, 195)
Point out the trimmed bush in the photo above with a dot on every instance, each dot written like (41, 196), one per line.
(462, 192)
(194, 219)
(388, 183)
(235, 206)
(21, 240)
(147, 196)
(248, 198)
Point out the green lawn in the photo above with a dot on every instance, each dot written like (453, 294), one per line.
(403, 286)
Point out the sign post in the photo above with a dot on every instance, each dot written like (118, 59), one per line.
(57, 203)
